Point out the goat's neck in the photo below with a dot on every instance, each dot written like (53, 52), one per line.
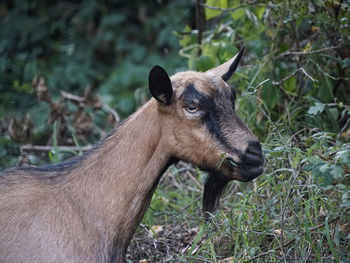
(119, 178)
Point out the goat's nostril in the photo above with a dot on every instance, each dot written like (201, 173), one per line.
(254, 148)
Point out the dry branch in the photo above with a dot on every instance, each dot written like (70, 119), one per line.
(277, 83)
(346, 170)
(79, 100)
(230, 9)
(73, 98)
(44, 148)
(301, 53)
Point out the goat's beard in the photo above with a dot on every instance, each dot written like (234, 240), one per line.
(214, 186)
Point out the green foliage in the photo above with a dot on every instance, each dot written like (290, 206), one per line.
(75, 44)
(292, 91)
(316, 73)
(91, 42)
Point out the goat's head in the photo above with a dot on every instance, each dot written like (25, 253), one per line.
(202, 126)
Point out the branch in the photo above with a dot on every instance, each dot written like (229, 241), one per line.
(44, 148)
(346, 170)
(329, 222)
(79, 100)
(73, 98)
(277, 83)
(300, 53)
(230, 9)
(261, 83)
(112, 111)
(189, 174)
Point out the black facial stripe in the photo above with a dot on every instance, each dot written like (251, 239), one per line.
(210, 118)
(191, 95)
(211, 121)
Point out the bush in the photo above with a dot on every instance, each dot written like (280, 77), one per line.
(293, 92)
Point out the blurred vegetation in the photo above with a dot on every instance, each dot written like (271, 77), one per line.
(108, 46)
(293, 92)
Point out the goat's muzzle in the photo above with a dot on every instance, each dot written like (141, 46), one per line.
(251, 164)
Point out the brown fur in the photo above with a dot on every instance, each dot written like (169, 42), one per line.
(88, 210)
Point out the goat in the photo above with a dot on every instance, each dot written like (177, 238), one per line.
(86, 209)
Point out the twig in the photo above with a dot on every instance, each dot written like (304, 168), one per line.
(300, 53)
(78, 99)
(72, 97)
(327, 74)
(271, 251)
(277, 83)
(346, 170)
(261, 83)
(112, 111)
(183, 50)
(230, 9)
(194, 201)
(296, 134)
(43, 148)
(261, 255)
(329, 222)
(295, 175)
(194, 180)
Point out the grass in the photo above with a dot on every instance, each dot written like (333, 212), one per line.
(297, 211)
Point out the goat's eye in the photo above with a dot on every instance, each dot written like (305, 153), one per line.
(192, 108)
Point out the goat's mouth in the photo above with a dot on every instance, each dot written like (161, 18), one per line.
(247, 170)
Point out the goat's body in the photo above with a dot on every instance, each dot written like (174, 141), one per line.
(80, 212)
(43, 233)
(87, 209)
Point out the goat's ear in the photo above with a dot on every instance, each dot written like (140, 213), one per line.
(227, 69)
(160, 85)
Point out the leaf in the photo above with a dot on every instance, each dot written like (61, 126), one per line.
(41, 89)
(290, 85)
(324, 168)
(186, 37)
(343, 156)
(270, 95)
(252, 17)
(204, 63)
(337, 172)
(53, 154)
(345, 63)
(330, 241)
(260, 11)
(237, 14)
(222, 159)
(82, 121)
(210, 13)
(318, 107)
(325, 92)
(20, 131)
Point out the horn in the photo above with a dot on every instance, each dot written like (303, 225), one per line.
(227, 69)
